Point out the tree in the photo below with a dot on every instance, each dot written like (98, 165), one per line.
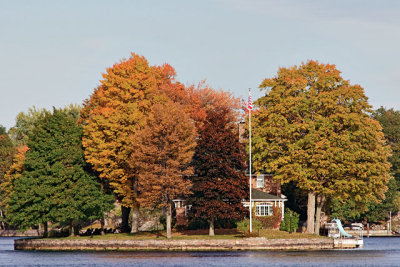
(110, 117)
(374, 212)
(163, 151)
(25, 122)
(14, 172)
(56, 184)
(314, 128)
(24, 125)
(219, 183)
(390, 121)
(380, 211)
(290, 223)
(6, 154)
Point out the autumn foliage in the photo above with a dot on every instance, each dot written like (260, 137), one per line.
(14, 172)
(314, 128)
(111, 116)
(150, 139)
(219, 184)
(163, 151)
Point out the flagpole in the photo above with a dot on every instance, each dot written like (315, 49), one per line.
(250, 206)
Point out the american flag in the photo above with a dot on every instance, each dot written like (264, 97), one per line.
(250, 104)
(243, 104)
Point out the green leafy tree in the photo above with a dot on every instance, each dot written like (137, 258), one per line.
(25, 122)
(348, 211)
(390, 121)
(380, 211)
(219, 183)
(314, 128)
(24, 125)
(56, 185)
(375, 212)
(290, 222)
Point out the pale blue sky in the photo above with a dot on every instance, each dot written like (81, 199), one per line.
(52, 53)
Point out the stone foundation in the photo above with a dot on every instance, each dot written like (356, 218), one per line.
(9, 233)
(176, 245)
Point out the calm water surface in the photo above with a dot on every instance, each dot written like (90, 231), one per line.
(376, 252)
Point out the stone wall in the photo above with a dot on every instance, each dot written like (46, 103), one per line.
(6, 233)
(188, 245)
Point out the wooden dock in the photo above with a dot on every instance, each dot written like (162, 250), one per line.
(348, 243)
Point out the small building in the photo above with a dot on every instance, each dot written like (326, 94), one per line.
(265, 194)
(181, 211)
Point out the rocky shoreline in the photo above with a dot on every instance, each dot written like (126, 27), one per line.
(175, 245)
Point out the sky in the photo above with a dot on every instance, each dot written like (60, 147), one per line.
(52, 53)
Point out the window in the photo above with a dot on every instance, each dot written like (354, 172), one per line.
(260, 181)
(264, 209)
(187, 209)
(179, 203)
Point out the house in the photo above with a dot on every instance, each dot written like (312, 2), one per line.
(265, 194)
(181, 211)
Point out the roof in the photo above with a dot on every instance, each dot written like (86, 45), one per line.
(260, 195)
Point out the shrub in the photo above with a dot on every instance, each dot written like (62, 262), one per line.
(197, 223)
(244, 226)
(290, 222)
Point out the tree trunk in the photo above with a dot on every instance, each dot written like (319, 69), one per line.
(102, 220)
(310, 212)
(3, 226)
(211, 231)
(102, 226)
(45, 230)
(72, 229)
(169, 220)
(320, 204)
(125, 219)
(39, 230)
(135, 220)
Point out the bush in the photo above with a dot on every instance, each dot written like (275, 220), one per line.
(197, 223)
(290, 222)
(244, 226)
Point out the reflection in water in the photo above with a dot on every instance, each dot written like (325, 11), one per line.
(377, 252)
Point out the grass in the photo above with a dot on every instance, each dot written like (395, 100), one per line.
(196, 234)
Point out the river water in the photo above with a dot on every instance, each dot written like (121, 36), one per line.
(377, 251)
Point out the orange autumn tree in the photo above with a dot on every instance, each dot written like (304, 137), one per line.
(110, 117)
(163, 150)
(14, 172)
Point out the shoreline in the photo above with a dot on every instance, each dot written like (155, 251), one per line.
(19, 233)
(175, 245)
